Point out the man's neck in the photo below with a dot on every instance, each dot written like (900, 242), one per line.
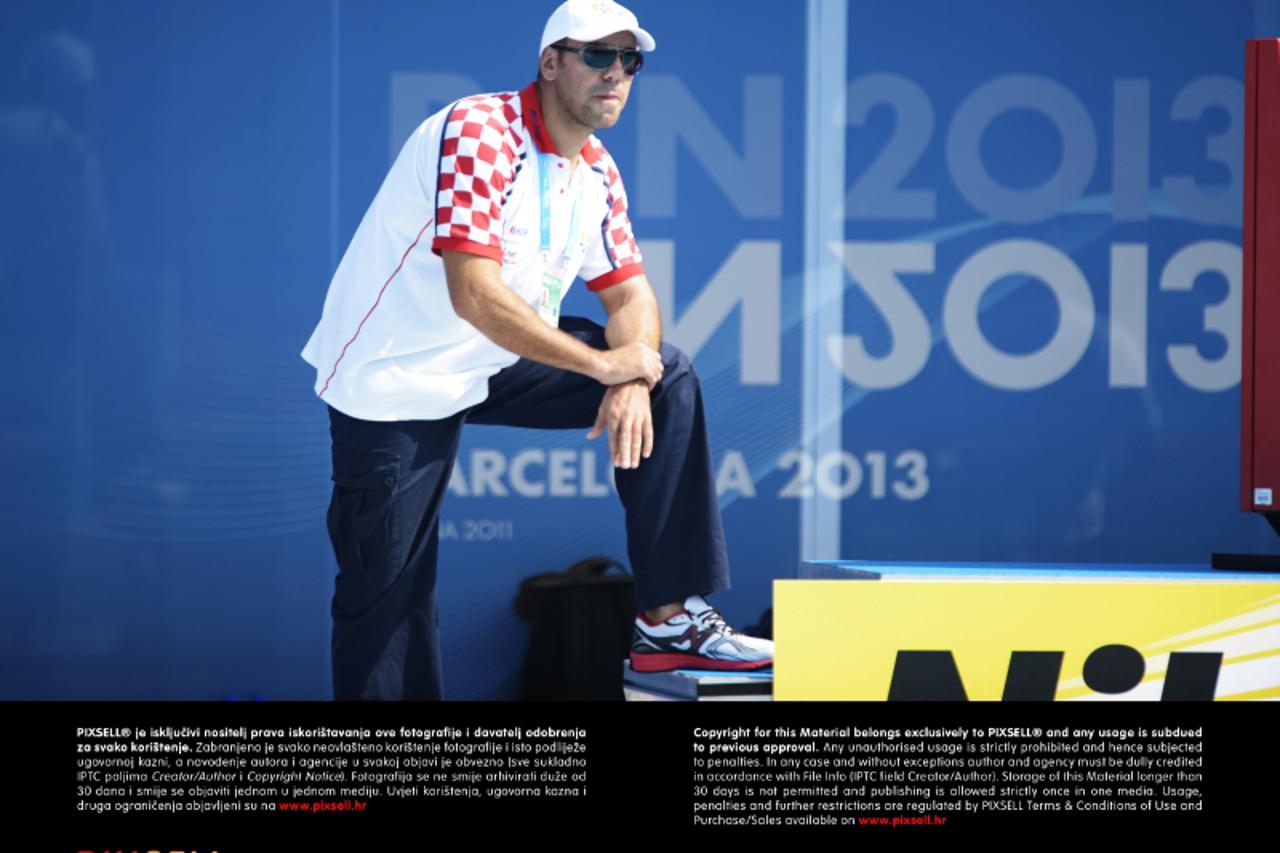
(567, 133)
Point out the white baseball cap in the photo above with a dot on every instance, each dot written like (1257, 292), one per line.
(588, 20)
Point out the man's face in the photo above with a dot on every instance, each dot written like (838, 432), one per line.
(592, 97)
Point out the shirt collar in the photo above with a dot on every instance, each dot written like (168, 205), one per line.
(531, 107)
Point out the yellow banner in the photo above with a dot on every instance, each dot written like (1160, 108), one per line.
(981, 639)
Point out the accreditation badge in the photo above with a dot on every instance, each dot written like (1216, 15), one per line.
(549, 300)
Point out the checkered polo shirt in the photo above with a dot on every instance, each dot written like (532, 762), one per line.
(389, 345)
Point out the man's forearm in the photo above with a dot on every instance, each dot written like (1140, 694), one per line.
(494, 309)
(626, 412)
(480, 296)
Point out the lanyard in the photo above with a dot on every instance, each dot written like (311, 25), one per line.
(544, 182)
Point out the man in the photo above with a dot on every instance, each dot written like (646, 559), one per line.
(445, 309)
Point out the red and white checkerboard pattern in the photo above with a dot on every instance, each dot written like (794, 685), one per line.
(619, 241)
(478, 160)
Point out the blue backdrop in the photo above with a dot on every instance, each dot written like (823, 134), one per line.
(962, 281)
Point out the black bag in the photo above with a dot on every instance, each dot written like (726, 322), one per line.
(582, 620)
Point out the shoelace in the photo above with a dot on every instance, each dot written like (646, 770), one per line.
(711, 620)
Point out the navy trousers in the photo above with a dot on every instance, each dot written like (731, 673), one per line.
(390, 478)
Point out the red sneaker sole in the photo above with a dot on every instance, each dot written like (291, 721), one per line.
(663, 662)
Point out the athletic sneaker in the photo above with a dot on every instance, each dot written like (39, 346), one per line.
(696, 638)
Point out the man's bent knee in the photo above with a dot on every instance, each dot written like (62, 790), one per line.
(676, 364)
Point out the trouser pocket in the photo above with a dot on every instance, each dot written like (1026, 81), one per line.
(364, 526)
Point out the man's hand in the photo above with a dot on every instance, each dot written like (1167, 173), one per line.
(636, 360)
(626, 414)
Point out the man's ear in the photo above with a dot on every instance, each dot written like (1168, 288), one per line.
(548, 63)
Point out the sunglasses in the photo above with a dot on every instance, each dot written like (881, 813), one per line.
(602, 56)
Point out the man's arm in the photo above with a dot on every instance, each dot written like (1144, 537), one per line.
(625, 412)
(480, 297)
(633, 313)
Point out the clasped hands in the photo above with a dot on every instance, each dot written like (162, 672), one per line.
(625, 413)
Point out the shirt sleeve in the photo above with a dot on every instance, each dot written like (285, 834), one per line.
(474, 177)
(613, 255)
